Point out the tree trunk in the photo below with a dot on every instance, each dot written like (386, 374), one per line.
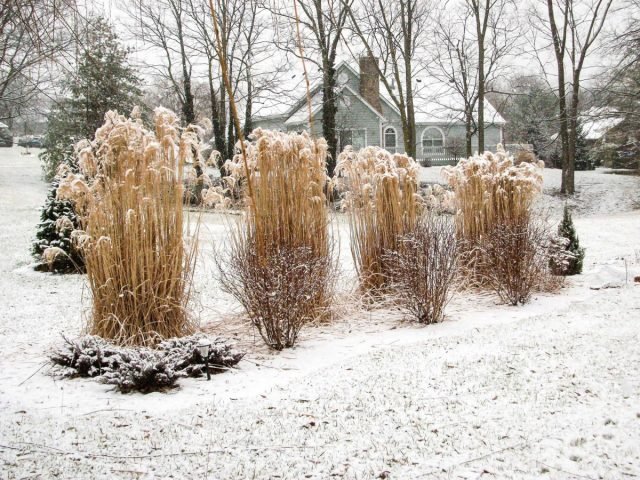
(469, 133)
(572, 136)
(481, 86)
(218, 128)
(329, 110)
(248, 124)
(231, 140)
(564, 127)
(411, 148)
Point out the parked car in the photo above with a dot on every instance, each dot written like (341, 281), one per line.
(31, 141)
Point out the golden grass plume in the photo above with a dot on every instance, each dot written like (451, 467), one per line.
(490, 189)
(280, 265)
(129, 194)
(382, 203)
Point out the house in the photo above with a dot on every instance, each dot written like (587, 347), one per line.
(597, 123)
(366, 116)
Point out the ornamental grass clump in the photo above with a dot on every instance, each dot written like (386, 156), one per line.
(490, 190)
(279, 265)
(129, 195)
(382, 204)
(493, 196)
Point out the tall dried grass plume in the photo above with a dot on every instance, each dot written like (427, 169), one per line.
(280, 265)
(382, 202)
(129, 195)
(490, 189)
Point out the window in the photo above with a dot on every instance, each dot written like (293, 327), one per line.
(390, 138)
(356, 137)
(432, 139)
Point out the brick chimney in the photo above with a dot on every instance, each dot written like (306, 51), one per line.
(370, 81)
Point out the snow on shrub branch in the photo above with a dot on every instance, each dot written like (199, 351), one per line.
(141, 369)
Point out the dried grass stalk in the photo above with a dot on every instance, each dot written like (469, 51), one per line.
(490, 190)
(383, 205)
(139, 266)
(424, 268)
(280, 264)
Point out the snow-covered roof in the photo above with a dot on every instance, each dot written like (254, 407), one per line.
(301, 115)
(596, 122)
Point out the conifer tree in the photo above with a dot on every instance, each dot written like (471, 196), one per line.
(57, 220)
(571, 257)
(103, 81)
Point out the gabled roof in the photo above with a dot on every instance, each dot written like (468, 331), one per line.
(435, 103)
(361, 98)
(596, 122)
(301, 114)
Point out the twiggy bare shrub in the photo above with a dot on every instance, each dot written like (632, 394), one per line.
(424, 267)
(280, 265)
(281, 292)
(139, 267)
(514, 259)
(382, 203)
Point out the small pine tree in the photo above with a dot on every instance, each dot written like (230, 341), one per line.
(582, 160)
(57, 220)
(571, 257)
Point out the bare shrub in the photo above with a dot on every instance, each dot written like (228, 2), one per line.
(281, 292)
(280, 265)
(424, 267)
(129, 196)
(382, 203)
(514, 259)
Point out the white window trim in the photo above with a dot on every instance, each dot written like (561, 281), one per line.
(384, 136)
(338, 130)
(432, 127)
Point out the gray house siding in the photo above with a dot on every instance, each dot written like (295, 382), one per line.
(354, 115)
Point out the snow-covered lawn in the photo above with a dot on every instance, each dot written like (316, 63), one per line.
(549, 390)
(600, 191)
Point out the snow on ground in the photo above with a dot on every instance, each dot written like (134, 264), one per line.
(600, 191)
(548, 390)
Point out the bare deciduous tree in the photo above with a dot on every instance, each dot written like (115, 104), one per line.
(493, 40)
(394, 30)
(572, 26)
(468, 55)
(33, 34)
(321, 24)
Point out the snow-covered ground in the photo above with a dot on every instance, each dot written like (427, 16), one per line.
(600, 191)
(549, 390)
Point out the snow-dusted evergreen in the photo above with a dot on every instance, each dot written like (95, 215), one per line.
(142, 369)
(104, 81)
(53, 246)
(568, 254)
